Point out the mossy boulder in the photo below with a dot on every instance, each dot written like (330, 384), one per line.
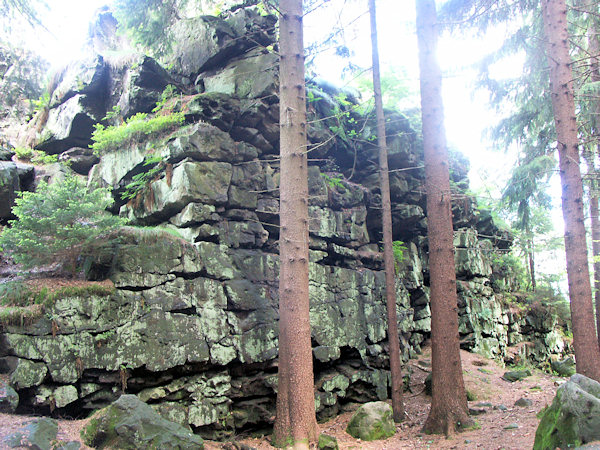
(14, 177)
(573, 418)
(39, 434)
(131, 424)
(6, 154)
(372, 421)
(28, 374)
(327, 442)
(9, 399)
(516, 375)
(564, 368)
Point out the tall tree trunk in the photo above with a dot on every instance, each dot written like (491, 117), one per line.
(449, 409)
(295, 422)
(530, 256)
(594, 49)
(587, 353)
(386, 214)
(596, 254)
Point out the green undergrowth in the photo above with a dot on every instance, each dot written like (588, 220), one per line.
(141, 124)
(471, 396)
(35, 156)
(20, 315)
(140, 182)
(23, 304)
(110, 138)
(20, 294)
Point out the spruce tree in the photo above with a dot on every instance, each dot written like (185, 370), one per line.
(449, 410)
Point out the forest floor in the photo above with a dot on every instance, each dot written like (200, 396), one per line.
(502, 425)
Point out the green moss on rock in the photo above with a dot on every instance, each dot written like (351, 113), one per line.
(372, 421)
(327, 442)
(573, 418)
(131, 424)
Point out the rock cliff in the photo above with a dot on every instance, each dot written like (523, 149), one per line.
(191, 327)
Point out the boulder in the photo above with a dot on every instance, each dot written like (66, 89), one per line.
(102, 32)
(591, 446)
(40, 434)
(6, 154)
(140, 87)
(469, 258)
(372, 421)
(28, 374)
(564, 368)
(79, 159)
(9, 399)
(234, 80)
(220, 110)
(72, 445)
(573, 418)
(524, 403)
(70, 125)
(327, 442)
(204, 142)
(131, 424)
(516, 375)
(14, 177)
(84, 76)
(206, 182)
(428, 384)
(207, 42)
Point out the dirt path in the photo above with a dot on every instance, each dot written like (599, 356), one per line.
(494, 396)
(482, 378)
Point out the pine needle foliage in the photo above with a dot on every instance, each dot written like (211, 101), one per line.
(147, 22)
(56, 224)
(27, 9)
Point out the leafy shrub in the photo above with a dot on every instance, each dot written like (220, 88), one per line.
(399, 249)
(141, 180)
(24, 153)
(508, 272)
(115, 113)
(57, 223)
(165, 96)
(35, 156)
(548, 298)
(43, 159)
(334, 181)
(106, 138)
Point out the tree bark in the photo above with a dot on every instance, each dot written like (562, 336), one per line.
(587, 353)
(594, 49)
(596, 254)
(386, 215)
(295, 423)
(530, 257)
(449, 409)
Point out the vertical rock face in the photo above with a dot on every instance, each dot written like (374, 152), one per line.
(192, 326)
(14, 177)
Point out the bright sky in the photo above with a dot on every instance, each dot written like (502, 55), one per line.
(466, 117)
(68, 22)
